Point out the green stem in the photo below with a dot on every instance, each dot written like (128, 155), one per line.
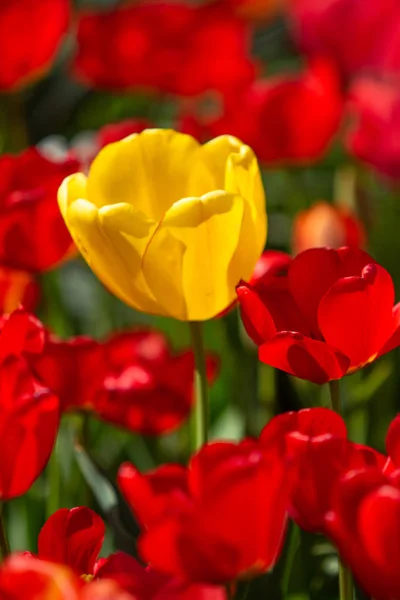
(201, 386)
(336, 402)
(345, 576)
(345, 582)
(53, 482)
(293, 546)
(4, 545)
(17, 135)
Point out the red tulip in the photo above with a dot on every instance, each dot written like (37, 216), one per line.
(358, 36)
(73, 538)
(374, 133)
(30, 35)
(364, 523)
(29, 418)
(148, 584)
(26, 578)
(291, 118)
(326, 225)
(330, 314)
(144, 393)
(315, 442)
(132, 380)
(228, 524)
(33, 236)
(172, 48)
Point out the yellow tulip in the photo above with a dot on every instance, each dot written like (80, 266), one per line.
(168, 225)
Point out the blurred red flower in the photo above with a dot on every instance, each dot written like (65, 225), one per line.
(315, 442)
(358, 36)
(133, 379)
(29, 419)
(147, 584)
(174, 48)
(30, 35)
(374, 132)
(227, 521)
(29, 412)
(33, 236)
(26, 578)
(17, 288)
(114, 132)
(290, 118)
(21, 333)
(257, 10)
(363, 524)
(73, 538)
(326, 225)
(328, 314)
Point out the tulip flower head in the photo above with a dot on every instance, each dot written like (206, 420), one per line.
(168, 225)
(327, 313)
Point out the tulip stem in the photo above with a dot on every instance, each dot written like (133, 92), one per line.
(345, 576)
(4, 545)
(336, 402)
(200, 412)
(345, 582)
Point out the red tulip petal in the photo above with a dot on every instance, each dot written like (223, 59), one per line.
(353, 260)
(73, 537)
(355, 315)
(311, 274)
(379, 523)
(255, 316)
(309, 422)
(394, 340)
(149, 494)
(306, 358)
(272, 263)
(29, 420)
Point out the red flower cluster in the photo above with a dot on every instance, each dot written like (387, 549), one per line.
(135, 381)
(30, 34)
(221, 519)
(33, 236)
(172, 48)
(68, 567)
(323, 314)
(326, 225)
(29, 412)
(273, 127)
(358, 36)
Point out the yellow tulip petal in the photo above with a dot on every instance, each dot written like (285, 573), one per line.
(72, 188)
(215, 154)
(130, 231)
(242, 176)
(149, 171)
(190, 253)
(82, 219)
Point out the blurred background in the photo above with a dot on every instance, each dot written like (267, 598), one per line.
(314, 87)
